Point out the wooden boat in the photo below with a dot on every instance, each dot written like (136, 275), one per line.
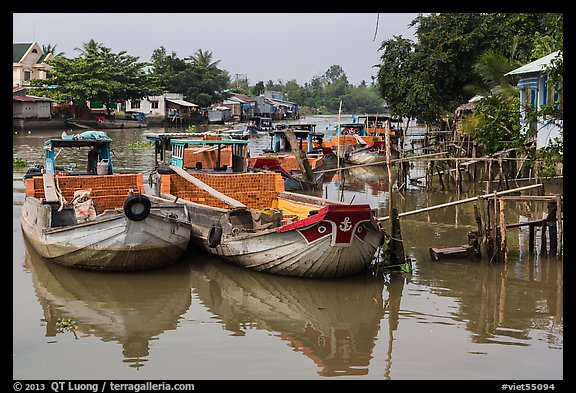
(248, 219)
(98, 220)
(363, 140)
(130, 120)
(258, 124)
(297, 153)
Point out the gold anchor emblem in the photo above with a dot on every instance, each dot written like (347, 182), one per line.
(345, 225)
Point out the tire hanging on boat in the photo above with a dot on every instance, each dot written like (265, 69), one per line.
(214, 236)
(137, 207)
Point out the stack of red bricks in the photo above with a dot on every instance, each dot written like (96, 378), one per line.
(255, 190)
(108, 191)
(209, 159)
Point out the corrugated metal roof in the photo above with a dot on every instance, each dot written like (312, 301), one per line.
(181, 102)
(30, 99)
(536, 65)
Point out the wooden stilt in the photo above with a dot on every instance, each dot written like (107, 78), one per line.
(531, 239)
(543, 246)
(551, 220)
(396, 243)
(502, 204)
(559, 222)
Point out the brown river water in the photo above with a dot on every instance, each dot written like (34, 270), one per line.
(200, 319)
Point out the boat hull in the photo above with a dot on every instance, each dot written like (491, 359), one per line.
(111, 242)
(369, 157)
(338, 241)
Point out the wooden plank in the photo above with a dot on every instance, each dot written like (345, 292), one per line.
(524, 223)
(459, 251)
(49, 188)
(203, 186)
(301, 158)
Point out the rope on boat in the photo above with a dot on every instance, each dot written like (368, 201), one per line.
(60, 196)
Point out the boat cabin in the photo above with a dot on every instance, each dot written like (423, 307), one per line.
(216, 154)
(97, 145)
(259, 123)
(376, 125)
(308, 140)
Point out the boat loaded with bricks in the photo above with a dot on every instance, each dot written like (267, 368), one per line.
(98, 219)
(248, 219)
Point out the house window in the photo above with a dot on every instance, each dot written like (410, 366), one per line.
(27, 75)
(135, 104)
(154, 104)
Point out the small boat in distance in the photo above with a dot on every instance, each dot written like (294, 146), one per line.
(130, 120)
(97, 219)
(258, 124)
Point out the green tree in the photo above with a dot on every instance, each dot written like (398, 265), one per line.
(258, 88)
(437, 67)
(197, 77)
(404, 85)
(97, 74)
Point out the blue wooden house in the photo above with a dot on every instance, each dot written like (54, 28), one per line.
(535, 91)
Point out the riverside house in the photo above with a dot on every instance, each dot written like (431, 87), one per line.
(535, 92)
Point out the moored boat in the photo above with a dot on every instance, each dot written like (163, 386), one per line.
(297, 153)
(362, 141)
(99, 220)
(248, 219)
(259, 124)
(130, 120)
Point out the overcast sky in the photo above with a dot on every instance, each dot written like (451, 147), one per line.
(259, 46)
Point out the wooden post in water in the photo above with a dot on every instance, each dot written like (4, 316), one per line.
(502, 204)
(543, 245)
(531, 231)
(559, 222)
(396, 245)
(551, 220)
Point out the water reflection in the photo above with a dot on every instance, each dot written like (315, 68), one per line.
(501, 303)
(130, 309)
(332, 322)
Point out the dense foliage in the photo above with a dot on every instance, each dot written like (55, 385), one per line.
(197, 77)
(458, 56)
(427, 78)
(97, 74)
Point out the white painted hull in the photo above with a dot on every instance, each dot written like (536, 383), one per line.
(314, 247)
(289, 254)
(369, 156)
(111, 242)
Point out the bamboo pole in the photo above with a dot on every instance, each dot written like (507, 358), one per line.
(502, 228)
(390, 198)
(559, 222)
(466, 200)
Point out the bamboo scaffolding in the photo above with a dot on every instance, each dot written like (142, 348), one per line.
(461, 201)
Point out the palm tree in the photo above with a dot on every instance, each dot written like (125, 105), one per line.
(90, 47)
(51, 49)
(204, 59)
(492, 67)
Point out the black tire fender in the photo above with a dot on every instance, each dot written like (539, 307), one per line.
(137, 207)
(214, 236)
